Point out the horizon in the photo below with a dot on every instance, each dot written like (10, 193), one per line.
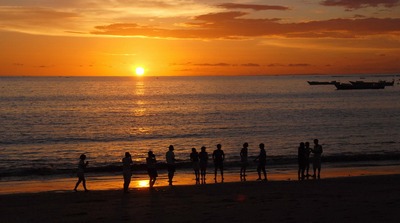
(199, 38)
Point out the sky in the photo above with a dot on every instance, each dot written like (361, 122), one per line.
(198, 37)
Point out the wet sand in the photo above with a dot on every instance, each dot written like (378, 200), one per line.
(347, 199)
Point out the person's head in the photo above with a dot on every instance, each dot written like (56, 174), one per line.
(194, 150)
(316, 141)
(150, 154)
(307, 144)
(127, 154)
(171, 148)
(82, 157)
(219, 146)
(302, 144)
(203, 148)
(245, 145)
(262, 146)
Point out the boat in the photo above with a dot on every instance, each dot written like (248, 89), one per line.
(385, 83)
(356, 85)
(322, 82)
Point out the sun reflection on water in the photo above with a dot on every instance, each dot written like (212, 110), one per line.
(142, 183)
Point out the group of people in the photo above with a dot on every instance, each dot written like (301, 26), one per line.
(200, 161)
(304, 151)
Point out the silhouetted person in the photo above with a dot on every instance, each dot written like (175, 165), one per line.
(317, 151)
(127, 171)
(170, 157)
(151, 168)
(301, 159)
(81, 172)
(194, 157)
(262, 161)
(218, 157)
(203, 157)
(244, 161)
(307, 158)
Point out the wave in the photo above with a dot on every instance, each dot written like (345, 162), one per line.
(272, 162)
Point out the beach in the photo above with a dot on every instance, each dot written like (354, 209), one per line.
(346, 199)
(45, 130)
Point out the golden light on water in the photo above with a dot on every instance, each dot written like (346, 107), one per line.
(143, 183)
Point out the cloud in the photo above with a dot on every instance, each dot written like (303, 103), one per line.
(230, 25)
(252, 6)
(33, 13)
(250, 65)
(213, 64)
(299, 65)
(289, 65)
(356, 4)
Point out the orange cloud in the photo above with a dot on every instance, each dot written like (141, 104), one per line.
(33, 13)
(231, 25)
(356, 4)
(252, 6)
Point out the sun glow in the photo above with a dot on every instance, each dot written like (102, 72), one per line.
(139, 71)
(143, 183)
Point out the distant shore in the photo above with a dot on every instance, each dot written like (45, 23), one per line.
(344, 199)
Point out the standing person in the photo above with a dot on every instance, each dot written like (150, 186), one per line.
(127, 171)
(203, 156)
(262, 161)
(81, 172)
(170, 157)
(194, 157)
(307, 151)
(317, 151)
(301, 158)
(218, 157)
(243, 161)
(151, 168)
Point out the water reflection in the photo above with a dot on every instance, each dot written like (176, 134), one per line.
(139, 106)
(142, 183)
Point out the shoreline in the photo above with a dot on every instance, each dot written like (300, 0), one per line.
(114, 181)
(344, 199)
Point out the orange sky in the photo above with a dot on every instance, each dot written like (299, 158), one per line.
(199, 37)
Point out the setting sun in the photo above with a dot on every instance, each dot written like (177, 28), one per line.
(139, 71)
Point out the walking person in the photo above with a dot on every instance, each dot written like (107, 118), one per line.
(218, 158)
(243, 161)
(151, 168)
(127, 171)
(203, 157)
(170, 157)
(317, 151)
(262, 161)
(81, 172)
(194, 157)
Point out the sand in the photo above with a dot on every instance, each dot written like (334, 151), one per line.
(348, 199)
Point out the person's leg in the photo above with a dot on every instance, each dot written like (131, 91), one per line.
(298, 173)
(265, 173)
(170, 176)
(259, 172)
(319, 172)
(84, 184)
(314, 170)
(222, 172)
(77, 184)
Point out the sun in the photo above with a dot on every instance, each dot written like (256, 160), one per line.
(139, 71)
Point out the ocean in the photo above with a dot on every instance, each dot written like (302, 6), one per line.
(47, 122)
